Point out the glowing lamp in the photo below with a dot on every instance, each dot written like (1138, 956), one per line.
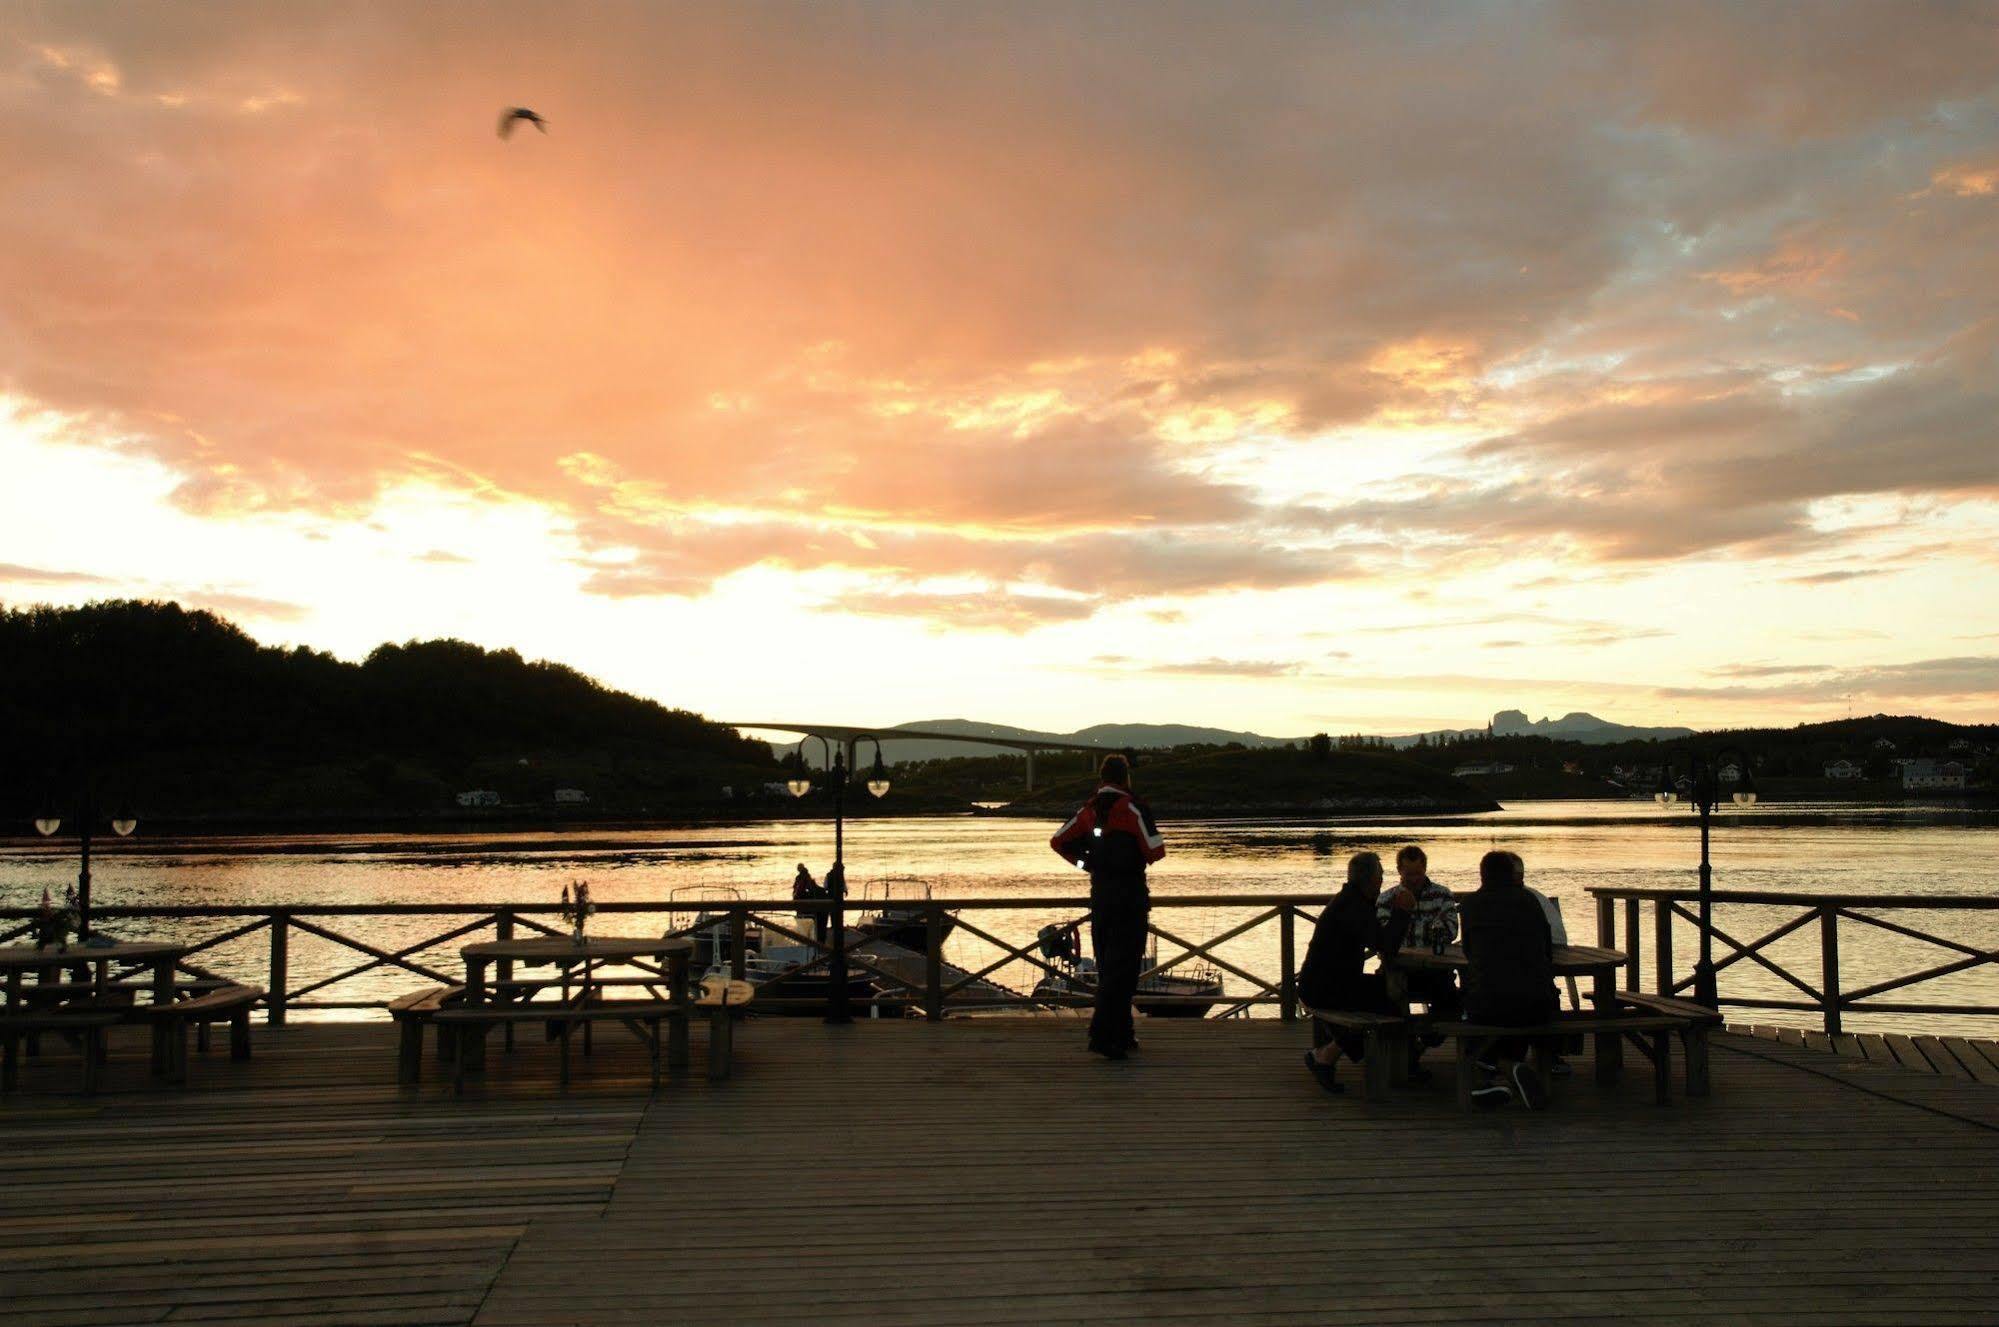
(47, 825)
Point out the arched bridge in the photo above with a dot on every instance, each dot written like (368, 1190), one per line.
(848, 738)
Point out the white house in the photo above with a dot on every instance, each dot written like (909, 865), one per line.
(1475, 771)
(479, 797)
(1729, 773)
(571, 797)
(1843, 769)
(1932, 775)
(1883, 744)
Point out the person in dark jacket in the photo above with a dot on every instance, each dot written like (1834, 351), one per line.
(805, 889)
(1114, 838)
(1333, 975)
(1509, 967)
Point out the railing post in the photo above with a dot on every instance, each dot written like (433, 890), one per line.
(933, 963)
(503, 929)
(1606, 922)
(1287, 948)
(739, 942)
(1662, 944)
(1634, 966)
(1829, 967)
(281, 934)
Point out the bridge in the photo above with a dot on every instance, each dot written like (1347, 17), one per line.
(848, 738)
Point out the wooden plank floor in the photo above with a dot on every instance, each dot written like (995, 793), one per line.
(1971, 1058)
(985, 1171)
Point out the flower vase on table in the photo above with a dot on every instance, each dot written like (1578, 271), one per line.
(576, 908)
(54, 925)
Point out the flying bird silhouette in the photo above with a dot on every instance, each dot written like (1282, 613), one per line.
(514, 114)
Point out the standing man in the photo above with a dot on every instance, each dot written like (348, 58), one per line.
(1114, 838)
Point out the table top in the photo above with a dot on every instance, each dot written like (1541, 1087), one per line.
(125, 951)
(1570, 960)
(549, 949)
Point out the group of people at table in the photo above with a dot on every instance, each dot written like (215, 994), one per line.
(1507, 930)
(1508, 933)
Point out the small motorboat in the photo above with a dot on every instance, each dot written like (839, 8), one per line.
(1189, 990)
(893, 911)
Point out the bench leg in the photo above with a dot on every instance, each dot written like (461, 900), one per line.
(721, 1033)
(177, 1051)
(409, 1052)
(1662, 1068)
(93, 1059)
(676, 1041)
(1467, 1073)
(1695, 1041)
(447, 1043)
(201, 1037)
(10, 1062)
(239, 1035)
(1378, 1070)
(563, 1078)
(471, 1053)
(652, 1044)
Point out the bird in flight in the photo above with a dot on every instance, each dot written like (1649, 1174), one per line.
(514, 115)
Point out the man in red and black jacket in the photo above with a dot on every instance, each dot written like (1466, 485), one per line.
(1114, 838)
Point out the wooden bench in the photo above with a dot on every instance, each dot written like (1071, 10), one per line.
(1651, 1031)
(1385, 1039)
(230, 1004)
(414, 1012)
(1697, 1020)
(472, 1022)
(87, 1026)
(724, 1000)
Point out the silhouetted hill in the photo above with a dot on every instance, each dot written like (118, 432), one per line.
(180, 714)
(1275, 781)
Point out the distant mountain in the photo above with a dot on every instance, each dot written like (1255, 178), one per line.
(1580, 727)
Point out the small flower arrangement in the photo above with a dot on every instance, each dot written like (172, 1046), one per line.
(576, 907)
(54, 925)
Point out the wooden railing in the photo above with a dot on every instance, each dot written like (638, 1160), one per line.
(1820, 987)
(253, 944)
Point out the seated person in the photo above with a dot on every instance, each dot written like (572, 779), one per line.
(1421, 914)
(1332, 976)
(1509, 969)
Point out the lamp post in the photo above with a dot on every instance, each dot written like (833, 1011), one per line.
(1704, 770)
(836, 879)
(49, 821)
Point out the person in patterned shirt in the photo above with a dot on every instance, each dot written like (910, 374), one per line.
(1421, 914)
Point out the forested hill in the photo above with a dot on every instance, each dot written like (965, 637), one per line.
(180, 713)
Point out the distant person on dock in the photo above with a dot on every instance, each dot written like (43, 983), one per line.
(1509, 968)
(1418, 914)
(1333, 975)
(1114, 838)
(805, 889)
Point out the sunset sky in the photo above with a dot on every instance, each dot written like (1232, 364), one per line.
(1273, 367)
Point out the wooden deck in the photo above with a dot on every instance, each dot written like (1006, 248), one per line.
(986, 1171)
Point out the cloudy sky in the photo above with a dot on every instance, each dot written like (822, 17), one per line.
(1280, 367)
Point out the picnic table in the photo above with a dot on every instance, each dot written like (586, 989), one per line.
(581, 991)
(1600, 965)
(74, 991)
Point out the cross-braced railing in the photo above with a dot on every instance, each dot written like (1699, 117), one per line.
(976, 954)
(1784, 915)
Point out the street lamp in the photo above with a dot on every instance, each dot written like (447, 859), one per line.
(836, 879)
(1704, 772)
(123, 822)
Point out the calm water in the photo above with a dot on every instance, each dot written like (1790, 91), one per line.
(1568, 847)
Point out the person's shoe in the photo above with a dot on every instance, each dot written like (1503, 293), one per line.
(1527, 1084)
(1418, 1075)
(1131, 1045)
(1490, 1097)
(1328, 1075)
(1486, 1067)
(1560, 1068)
